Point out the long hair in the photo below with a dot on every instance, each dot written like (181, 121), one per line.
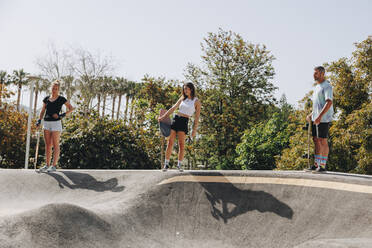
(191, 87)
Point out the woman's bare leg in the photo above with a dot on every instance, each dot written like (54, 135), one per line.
(181, 145)
(171, 139)
(55, 140)
(48, 146)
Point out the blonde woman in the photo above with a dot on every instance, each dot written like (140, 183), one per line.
(52, 106)
(188, 105)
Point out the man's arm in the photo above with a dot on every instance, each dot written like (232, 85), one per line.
(326, 107)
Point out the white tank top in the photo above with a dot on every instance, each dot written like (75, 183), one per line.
(187, 107)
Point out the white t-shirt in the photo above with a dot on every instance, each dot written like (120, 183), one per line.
(322, 93)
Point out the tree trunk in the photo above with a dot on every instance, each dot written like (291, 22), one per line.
(35, 103)
(131, 110)
(104, 105)
(19, 96)
(126, 109)
(99, 103)
(1, 93)
(113, 106)
(117, 114)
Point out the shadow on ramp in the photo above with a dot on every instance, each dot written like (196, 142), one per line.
(85, 181)
(225, 194)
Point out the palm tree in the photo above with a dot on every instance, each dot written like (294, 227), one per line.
(129, 95)
(114, 93)
(68, 86)
(4, 80)
(135, 90)
(106, 89)
(19, 78)
(99, 87)
(37, 80)
(122, 88)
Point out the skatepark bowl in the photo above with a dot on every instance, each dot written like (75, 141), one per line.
(91, 208)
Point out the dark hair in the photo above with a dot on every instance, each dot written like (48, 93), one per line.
(320, 69)
(192, 88)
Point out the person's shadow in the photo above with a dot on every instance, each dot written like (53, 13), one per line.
(242, 201)
(85, 181)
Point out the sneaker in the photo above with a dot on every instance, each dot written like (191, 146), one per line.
(44, 168)
(320, 169)
(51, 169)
(179, 168)
(165, 167)
(311, 168)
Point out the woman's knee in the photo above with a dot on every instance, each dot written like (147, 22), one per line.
(181, 145)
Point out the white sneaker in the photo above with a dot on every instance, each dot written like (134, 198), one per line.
(43, 169)
(179, 168)
(51, 169)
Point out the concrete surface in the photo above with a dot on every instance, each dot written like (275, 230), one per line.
(76, 208)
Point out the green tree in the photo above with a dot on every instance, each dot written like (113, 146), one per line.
(236, 92)
(262, 143)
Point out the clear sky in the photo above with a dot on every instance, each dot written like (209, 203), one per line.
(160, 37)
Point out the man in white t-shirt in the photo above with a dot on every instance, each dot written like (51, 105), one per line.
(321, 118)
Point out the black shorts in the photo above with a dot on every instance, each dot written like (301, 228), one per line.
(323, 129)
(180, 123)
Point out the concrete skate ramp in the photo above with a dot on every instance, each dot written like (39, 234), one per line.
(189, 209)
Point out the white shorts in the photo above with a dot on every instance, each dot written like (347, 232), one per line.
(53, 125)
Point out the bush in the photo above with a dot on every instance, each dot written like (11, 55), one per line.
(98, 143)
(13, 130)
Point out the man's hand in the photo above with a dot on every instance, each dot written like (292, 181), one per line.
(317, 120)
(62, 115)
(308, 118)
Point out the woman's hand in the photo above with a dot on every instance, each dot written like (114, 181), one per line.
(55, 116)
(161, 118)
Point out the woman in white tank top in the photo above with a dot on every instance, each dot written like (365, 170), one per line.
(188, 105)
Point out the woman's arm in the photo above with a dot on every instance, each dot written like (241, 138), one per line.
(41, 116)
(171, 110)
(69, 107)
(69, 110)
(42, 112)
(197, 115)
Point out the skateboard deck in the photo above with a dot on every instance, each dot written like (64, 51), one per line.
(165, 125)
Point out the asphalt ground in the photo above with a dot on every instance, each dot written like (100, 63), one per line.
(134, 208)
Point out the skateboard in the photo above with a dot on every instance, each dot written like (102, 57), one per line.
(165, 125)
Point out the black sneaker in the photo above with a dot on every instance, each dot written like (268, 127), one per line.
(311, 168)
(166, 167)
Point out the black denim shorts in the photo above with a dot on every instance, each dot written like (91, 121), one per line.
(180, 123)
(323, 129)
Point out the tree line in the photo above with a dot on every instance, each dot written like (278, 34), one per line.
(242, 125)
